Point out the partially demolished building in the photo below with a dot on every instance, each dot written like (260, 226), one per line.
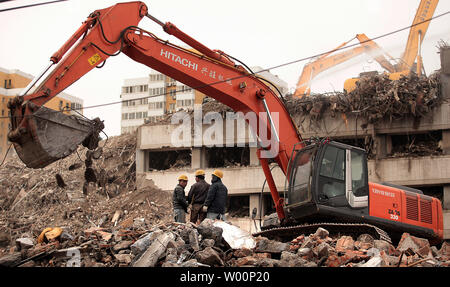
(404, 126)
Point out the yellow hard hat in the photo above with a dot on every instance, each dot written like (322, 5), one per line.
(218, 173)
(183, 177)
(200, 172)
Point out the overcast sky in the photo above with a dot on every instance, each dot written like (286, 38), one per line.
(262, 33)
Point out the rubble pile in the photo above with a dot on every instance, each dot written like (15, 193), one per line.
(219, 244)
(77, 193)
(374, 99)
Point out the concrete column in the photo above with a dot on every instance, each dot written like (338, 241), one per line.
(381, 144)
(445, 143)
(388, 144)
(254, 160)
(254, 203)
(445, 60)
(141, 161)
(446, 199)
(198, 158)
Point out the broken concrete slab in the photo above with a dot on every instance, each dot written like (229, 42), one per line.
(156, 249)
(208, 230)
(373, 262)
(24, 243)
(144, 242)
(210, 257)
(11, 260)
(193, 240)
(345, 243)
(123, 258)
(122, 245)
(271, 246)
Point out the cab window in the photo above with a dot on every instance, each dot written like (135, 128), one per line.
(332, 172)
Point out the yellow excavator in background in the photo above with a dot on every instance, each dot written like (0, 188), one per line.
(411, 60)
(327, 61)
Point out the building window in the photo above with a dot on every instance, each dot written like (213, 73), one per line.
(143, 88)
(173, 94)
(139, 115)
(156, 105)
(156, 91)
(131, 116)
(156, 77)
(125, 116)
(184, 103)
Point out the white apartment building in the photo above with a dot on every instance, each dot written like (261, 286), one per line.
(134, 103)
(148, 99)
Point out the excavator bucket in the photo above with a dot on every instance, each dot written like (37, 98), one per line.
(50, 136)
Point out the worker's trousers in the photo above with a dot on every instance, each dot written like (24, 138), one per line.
(197, 213)
(179, 215)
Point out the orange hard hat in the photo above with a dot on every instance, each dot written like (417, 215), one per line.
(200, 172)
(218, 173)
(183, 177)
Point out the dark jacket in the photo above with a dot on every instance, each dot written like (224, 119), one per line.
(217, 196)
(179, 199)
(198, 192)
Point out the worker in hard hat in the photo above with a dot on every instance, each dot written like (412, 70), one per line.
(180, 204)
(197, 196)
(216, 199)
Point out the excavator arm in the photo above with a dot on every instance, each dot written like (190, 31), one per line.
(113, 30)
(42, 136)
(416, 35)
(325, 62)
(376, 52)
(311, 70)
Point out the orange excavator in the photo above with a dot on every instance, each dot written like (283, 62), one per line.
(326, 181)
(411, 60)
(327, 61)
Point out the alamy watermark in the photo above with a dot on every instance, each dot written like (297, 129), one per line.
(214, 129)
(74, 256)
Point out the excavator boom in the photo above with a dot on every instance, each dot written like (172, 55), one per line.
(311, 70)
(417, 33)
(40, 140)
(327, 61)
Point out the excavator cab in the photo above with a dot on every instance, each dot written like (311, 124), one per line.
(326, 179)
(329, 184)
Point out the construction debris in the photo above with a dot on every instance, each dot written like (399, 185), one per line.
(189, 245)
(375, 98)
(58, 204)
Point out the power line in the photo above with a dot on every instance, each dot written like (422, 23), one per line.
(31, 5)
(265, 70)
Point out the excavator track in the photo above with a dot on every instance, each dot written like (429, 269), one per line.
(354, 229)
